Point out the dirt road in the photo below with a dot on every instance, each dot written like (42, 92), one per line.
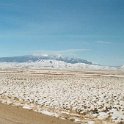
(14, 115)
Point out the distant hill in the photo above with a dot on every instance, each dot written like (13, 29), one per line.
(49, 61)
(31, 58)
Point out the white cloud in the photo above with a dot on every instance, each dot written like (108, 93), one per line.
(103, 42)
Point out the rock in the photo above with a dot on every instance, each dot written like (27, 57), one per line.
(9, 102)
(94, 115)
(91, 122)
(103, 116)
(27, 107)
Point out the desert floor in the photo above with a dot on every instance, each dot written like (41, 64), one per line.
(61, 97)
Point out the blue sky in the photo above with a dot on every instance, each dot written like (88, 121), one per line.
(91, 29)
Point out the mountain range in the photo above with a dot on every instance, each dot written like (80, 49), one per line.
(50, 61)
(31, 58)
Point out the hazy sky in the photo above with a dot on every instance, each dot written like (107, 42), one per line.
(91, 29)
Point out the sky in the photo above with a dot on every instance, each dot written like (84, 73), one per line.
(90, 29)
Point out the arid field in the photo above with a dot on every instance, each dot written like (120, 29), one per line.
(91, 97)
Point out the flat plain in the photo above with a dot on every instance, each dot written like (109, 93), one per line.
(91, 97)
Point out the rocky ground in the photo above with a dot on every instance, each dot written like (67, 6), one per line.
(82, 97)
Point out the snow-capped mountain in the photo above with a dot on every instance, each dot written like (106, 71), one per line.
(122, 67)
(31, 58)
(49, 61)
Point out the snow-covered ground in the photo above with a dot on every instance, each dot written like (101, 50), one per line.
(70, 95)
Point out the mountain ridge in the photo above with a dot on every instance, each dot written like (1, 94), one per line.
(33, 58)
(52, 61)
